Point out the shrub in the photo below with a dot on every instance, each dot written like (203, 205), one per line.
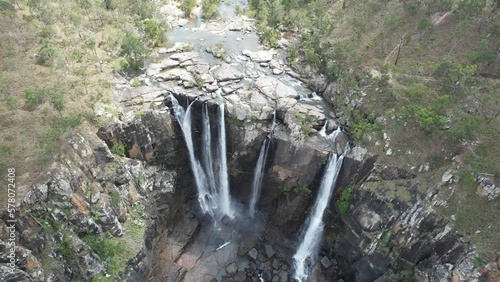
(49, 141)
(11, 102)
(428, 120)
(109, 4)
(425, 25)
(115, 198)
(118, 148)
(364, 124)
(238, 11)
(188, 6)
(209, 8)
(46, 54)
(57, 101)
(465, 127)
(104, 248)
(34, 97)
(6, 6)
(454, 74)
(66, 251)
(134, 51)
(153, 32)
(343, 201)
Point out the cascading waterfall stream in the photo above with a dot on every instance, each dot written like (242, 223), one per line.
(184, 119)
(259, 169)
(207, 149)
(311, 236)
(223, 176)
(258, 176)
(213, 189)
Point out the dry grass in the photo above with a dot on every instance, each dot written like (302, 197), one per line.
(82, 71)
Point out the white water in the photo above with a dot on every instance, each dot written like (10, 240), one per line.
(184, 119)
(223, 177)
(312, 235)
(207, 149)
(213, 192)
(258, 176)
(332, 136)
(322, 132)
(273, 125)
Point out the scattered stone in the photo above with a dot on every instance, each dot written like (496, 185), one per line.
(388, 152)
(275, 263)
(487, 188)
(207, 78)
(182, 57)
(277, 71)
(231, 88)
(188, 84)
(253, 253)
(267, 275)
(211, 87)
(326, 262)
(232, 268)
(447, 176)
(178, 47)
(226, 72)
(274, 64)
(175, 74)
(240, 277)
(259, 56)
(269, 251)
(283, 275)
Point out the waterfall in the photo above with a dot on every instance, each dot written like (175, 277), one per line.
(184, 119)
(311, 235)
(258, 175)
(213, 189)
(222, 158)
(207, 149)
(273, 125)
(322, 132)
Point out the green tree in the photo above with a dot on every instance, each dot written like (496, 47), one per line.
(470, 8)
(152, 31)
(134, 51)
(188, 6)
(209, 8)
(57, 101)
(34, 97)
(46, 54)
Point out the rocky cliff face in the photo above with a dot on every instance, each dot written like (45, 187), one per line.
(390, 228)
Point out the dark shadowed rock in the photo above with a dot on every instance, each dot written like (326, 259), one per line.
(326, 262)
(253, 253)
(392, 173)
(269, 250)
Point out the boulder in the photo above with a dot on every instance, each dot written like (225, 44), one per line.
(269, 251)
(232, 268)
(253, 253)
(185, 56)
(274, 88)
(175, 74)
(225, 73)
(259, 56)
